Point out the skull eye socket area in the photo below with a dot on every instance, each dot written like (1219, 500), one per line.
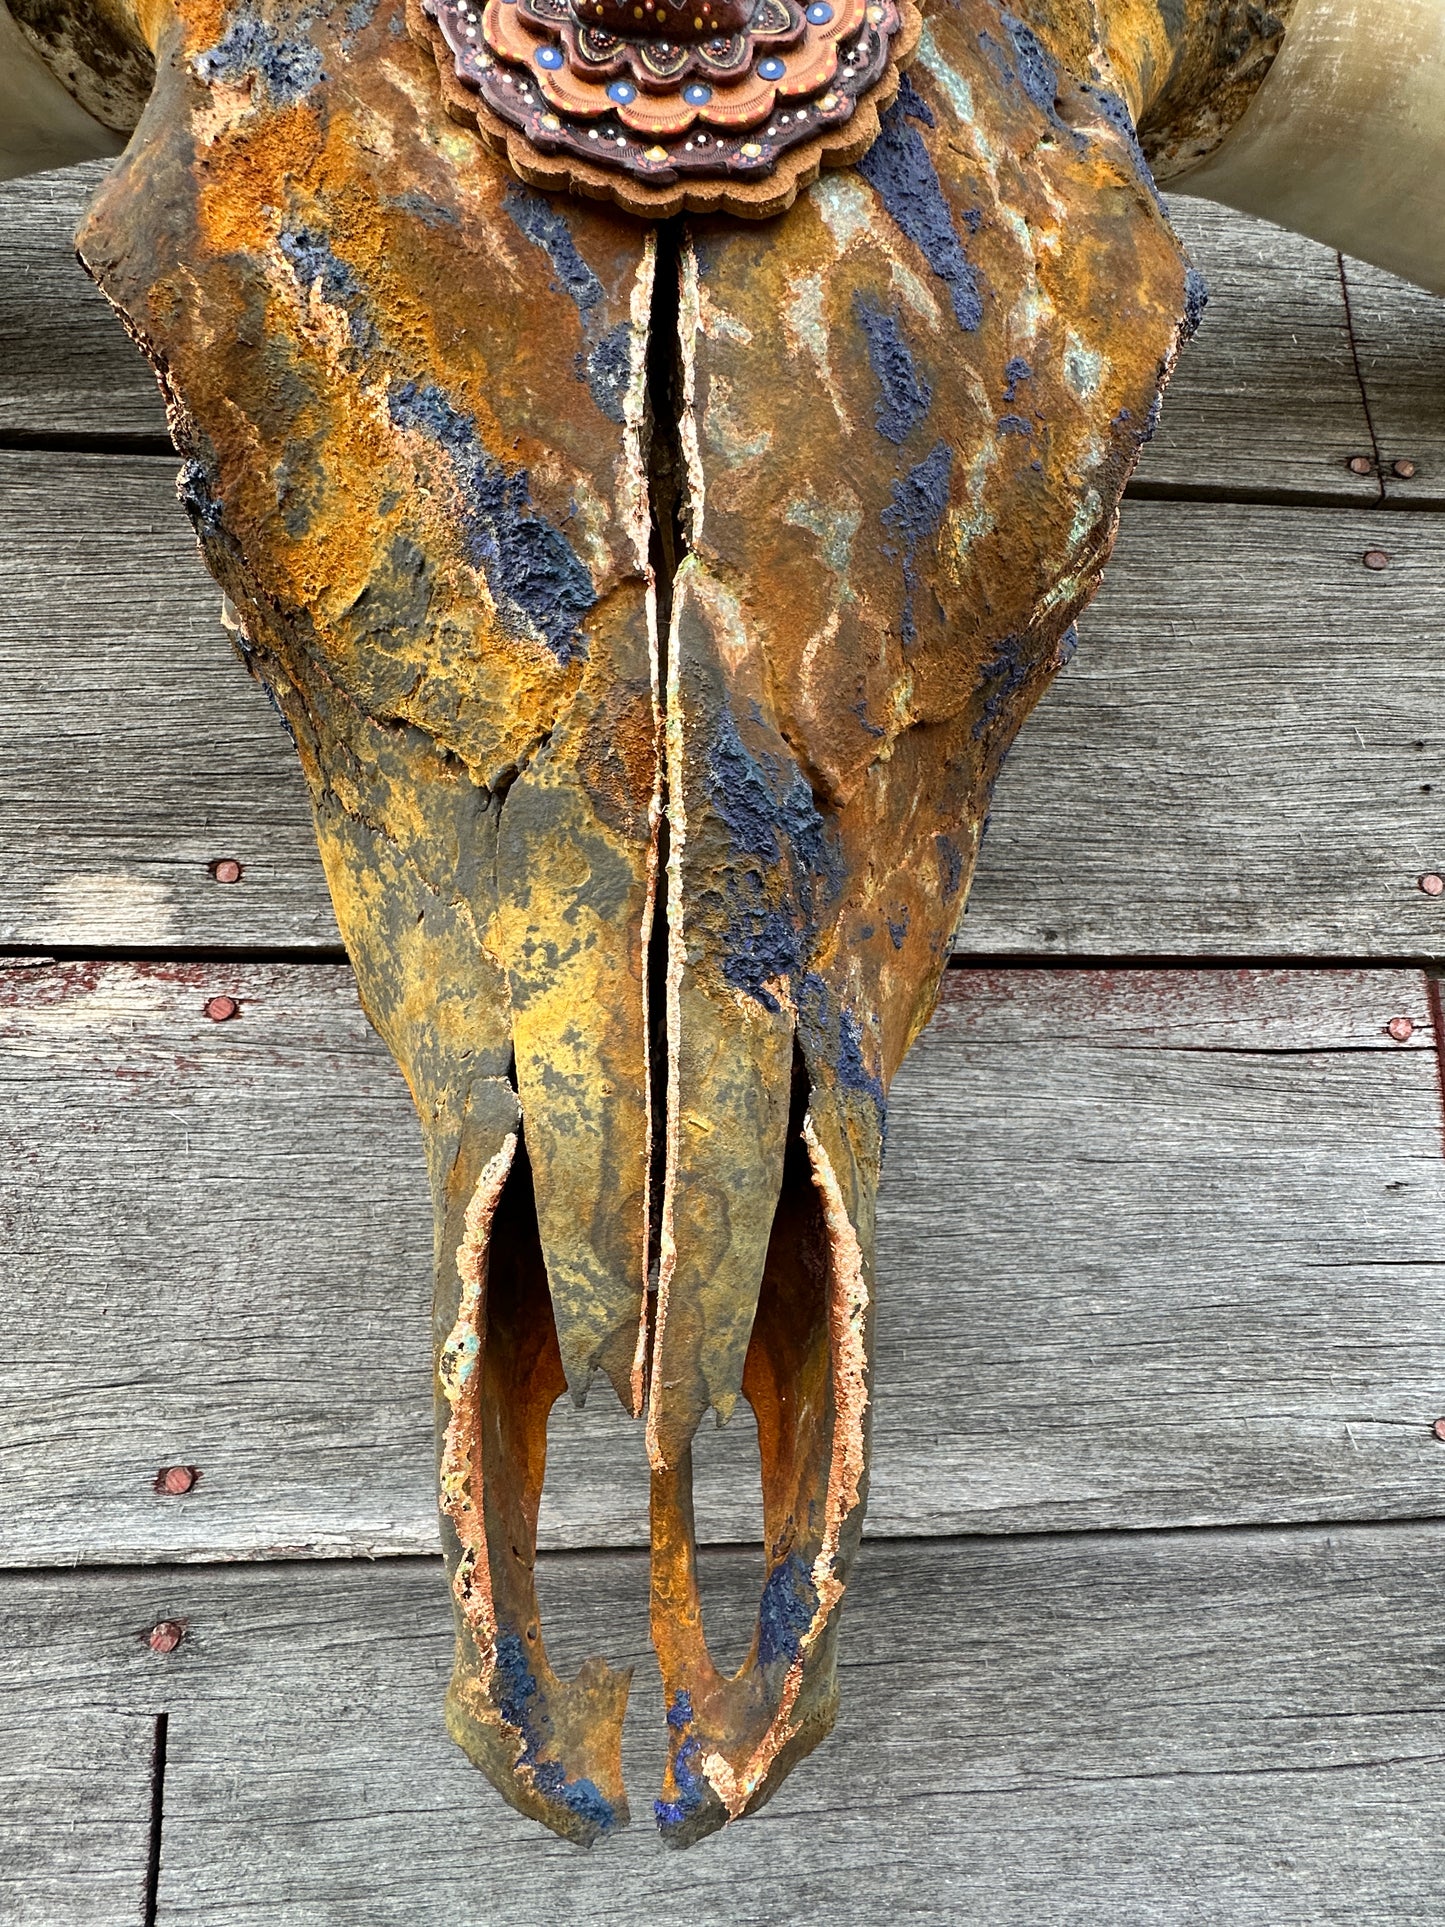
(553, 1746)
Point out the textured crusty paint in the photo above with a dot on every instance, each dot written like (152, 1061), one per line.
(418, 405)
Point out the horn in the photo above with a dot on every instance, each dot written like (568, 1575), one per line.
(42, 124)
(1345, 139)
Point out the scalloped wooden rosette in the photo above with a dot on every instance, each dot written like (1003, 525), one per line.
(708, 124)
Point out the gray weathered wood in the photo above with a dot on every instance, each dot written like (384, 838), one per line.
(75, 1799)
(1400, 335)
(1265, 399)
(1219, 1729)
(134, 749)
(1155, 1248)
(1244, 759)
(66, 365)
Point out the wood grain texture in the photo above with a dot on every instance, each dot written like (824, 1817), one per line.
(1210, 1728)
(75, 1801)
(66, 366)
(1266, 398)
(136, 751)
(1155, 1248)
(1243, 759)
(1400, 337)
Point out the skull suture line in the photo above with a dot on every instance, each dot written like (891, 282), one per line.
(652, 605)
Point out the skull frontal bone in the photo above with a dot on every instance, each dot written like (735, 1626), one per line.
(651, 608)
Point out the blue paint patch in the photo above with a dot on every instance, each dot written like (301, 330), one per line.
(899, 930)
(950, 863)
(1036, 73)
(767, 807)
(1004, 674)
(691, 1787)
(763, 943)
(815, 1006)
(904, 397)
(860, 710)
(900, 171)
(745, 798)
(1017, 371)
(915, 511)
(790, 1599)
(838, 1039)
(606, 366)
(517, 1692)
(1068, 644)
(198, 498)
(317, 267)
(530, 566)
(1025, 64)
(1196, 300)
(1147, 430)
(251, 49)
(607, 370)
(1115, 110)
(680, 1714)
(1015, 425)
(430, 213)
(687, 1775)
(853, 1071)
(543, 221)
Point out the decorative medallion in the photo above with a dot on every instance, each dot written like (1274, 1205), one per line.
(662, 105)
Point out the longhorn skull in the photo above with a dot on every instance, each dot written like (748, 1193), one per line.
(652, 601)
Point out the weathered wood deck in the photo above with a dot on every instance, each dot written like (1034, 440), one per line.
(1148, 1628)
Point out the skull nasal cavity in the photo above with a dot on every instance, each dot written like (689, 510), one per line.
(727, 1497)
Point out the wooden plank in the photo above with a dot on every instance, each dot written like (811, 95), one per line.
(1244, 759)
(1400, 337)
(75, 1807)
(136, 751)
(1266, 398)
(1213, 1728)
(1155, 1249)
(66, 366)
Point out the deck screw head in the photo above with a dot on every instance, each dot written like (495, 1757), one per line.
(226, 869)
(1376, 559)
(166, 1635)
(219, 1009)
(1438, 1428)
(1360, 465)
(1432, 885)
(1402, 1029)
(176, 1479)
(1404, 468)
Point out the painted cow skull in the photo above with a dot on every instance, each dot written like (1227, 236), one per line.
(652, 601)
